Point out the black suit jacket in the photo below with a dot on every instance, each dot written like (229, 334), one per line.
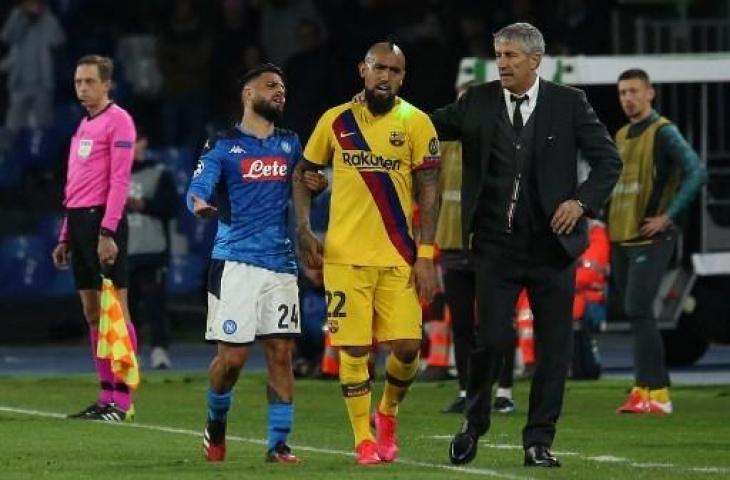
(564, 123)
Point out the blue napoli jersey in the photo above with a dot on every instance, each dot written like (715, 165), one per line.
(249, 180)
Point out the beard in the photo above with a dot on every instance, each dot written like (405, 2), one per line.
(268, 110)
(377, 104)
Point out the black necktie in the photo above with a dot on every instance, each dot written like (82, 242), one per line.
(517, 116)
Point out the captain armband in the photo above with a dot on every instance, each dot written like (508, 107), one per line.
(425, 251)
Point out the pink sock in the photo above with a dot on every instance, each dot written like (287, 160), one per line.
(103, 371)
(122, 394)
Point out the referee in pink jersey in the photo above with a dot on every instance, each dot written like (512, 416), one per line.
(94, 231)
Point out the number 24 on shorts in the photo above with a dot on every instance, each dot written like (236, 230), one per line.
(284, 314)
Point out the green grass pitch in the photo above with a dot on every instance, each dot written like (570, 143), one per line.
(165, 440)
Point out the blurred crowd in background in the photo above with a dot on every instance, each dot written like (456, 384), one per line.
(176, 64)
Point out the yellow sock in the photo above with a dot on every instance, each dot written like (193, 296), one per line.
(398, 377)
(659, 395)
(355, 383)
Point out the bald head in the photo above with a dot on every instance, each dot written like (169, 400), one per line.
(385, 48)
(382, 71)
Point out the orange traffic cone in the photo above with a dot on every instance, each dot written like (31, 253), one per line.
(525, 335)
(330, 358)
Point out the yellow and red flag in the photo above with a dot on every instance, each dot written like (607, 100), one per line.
(114, 342)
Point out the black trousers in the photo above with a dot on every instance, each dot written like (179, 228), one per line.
(550, 281)
(147, 301)
(459, 289)
(636, 272)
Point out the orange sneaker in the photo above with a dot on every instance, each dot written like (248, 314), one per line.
(637, 402)
(386, 436)
(282, 454)
(214, 441)
(366, 453)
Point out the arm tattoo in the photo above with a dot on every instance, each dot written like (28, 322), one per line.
(302, 197)
(426, 190)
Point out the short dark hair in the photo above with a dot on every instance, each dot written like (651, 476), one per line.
(635, 73)
(256, 71)
(104, 64)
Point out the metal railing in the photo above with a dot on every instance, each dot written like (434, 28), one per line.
(681, 35)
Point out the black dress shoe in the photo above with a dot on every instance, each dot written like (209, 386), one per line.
(457, 406)
(540, 456)
(463, 447)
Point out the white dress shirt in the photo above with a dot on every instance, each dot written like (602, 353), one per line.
(527, 106)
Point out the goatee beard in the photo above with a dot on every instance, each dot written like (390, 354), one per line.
(267, 110)
(379, 105)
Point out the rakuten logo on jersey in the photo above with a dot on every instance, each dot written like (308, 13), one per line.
(265, 169)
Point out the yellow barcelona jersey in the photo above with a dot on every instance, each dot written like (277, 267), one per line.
(373, 159)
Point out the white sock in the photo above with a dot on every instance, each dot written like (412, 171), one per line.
(504, 392)
(462, 393)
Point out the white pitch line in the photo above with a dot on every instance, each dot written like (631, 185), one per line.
(599, 458)
(607, 459)
(182, 431)
(653, 465)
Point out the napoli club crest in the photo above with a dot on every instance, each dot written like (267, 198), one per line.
(229, 327)
(286, 146)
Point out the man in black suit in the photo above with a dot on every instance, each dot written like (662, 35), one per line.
(523, 217)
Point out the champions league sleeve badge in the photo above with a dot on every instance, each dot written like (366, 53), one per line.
(433, 146)
(199, 168)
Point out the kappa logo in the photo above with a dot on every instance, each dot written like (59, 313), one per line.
(265, 169)
(236, 149)
(347, 134)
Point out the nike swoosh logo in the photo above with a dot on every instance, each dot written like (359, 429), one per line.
(346, 134)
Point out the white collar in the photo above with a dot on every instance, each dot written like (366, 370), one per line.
(531, 93)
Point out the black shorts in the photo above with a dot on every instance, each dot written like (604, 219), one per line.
(83, 230)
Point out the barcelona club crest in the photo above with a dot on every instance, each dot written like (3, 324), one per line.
(397, 139)
(333, 325)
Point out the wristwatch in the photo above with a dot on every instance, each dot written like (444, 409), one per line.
(581, 205)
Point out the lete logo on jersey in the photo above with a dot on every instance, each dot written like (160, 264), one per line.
(265, 169)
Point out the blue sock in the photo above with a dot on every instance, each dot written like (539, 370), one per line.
(281, 416)
(218, 405)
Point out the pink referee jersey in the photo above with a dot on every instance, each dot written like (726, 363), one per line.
(100, 165)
